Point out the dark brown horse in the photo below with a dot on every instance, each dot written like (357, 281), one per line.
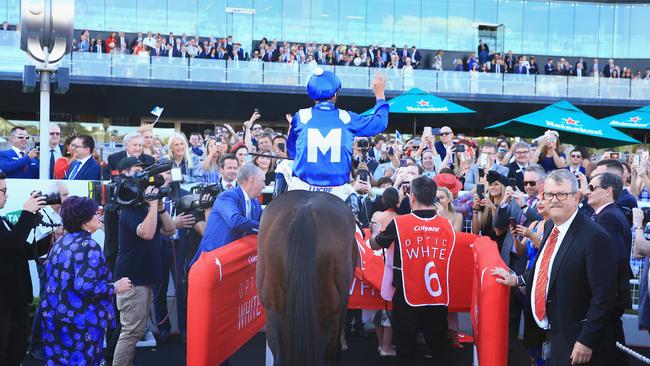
(306, 256)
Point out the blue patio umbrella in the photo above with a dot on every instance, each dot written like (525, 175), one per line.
(573, 125)
(638, 119)
(418, 102)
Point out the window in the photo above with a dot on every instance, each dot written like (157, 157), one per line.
(267, 21)
(211, 18)
(324, 20)
(295, 20)
(639, 40)
(606, 31)
(407, 23)
(622, 31)
(460, 26)
(379, 23)
(352, 22)
(434, 24)
(485, 11)
(120, 14)
(585, 37)
(560, 28)
(182, 16)
(511, 15)
(151, 16)
(89, 14)
(535, 28)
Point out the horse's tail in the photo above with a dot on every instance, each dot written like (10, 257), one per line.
(301, 339)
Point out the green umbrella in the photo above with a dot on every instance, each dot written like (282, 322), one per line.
(419, 102)
(573, 125)
(638, 119)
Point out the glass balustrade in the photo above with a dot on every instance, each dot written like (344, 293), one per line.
(282, 74)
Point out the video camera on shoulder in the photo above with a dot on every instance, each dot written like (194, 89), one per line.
(128, 191)
(201, 196)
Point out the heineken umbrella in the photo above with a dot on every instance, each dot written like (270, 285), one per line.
(419, 102)
(573, 125)
(638, 119)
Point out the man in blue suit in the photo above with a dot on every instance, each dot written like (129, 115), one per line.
(84, 167)
(18, 162)
(236, 212)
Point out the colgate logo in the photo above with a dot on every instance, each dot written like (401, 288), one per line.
(426, 228)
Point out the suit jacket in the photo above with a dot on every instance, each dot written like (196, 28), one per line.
(549, 69)
(607, 72)
(114, 160)
(15, 280)
(614, 223)
(228, 221)
(501, 220)
(516, 172)
(89, 171)
(16, 167)
(581, 293)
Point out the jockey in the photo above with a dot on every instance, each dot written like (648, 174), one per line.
(321, 137)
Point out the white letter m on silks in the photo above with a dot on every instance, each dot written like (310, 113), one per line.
(316, 142)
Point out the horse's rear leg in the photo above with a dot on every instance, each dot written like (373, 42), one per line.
(333, 343)
(274, 336)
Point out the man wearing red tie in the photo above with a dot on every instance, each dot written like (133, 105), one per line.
(571, 288)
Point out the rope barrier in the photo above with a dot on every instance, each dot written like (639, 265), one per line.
(634, 354)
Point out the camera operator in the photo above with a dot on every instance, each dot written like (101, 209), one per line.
(139, 258)
(642, 250)
(15, 279)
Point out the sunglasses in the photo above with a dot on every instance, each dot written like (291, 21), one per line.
(593, 188)
(530, 183)
(4, 190)
(55, 133)
(576, 156)
(22, 137)
(445, 133)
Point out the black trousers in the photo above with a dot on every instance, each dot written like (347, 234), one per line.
(409, 320)
(14, 328)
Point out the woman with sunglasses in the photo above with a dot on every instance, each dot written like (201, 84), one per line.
(63, 163)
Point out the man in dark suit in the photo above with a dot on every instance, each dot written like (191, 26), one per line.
(549, 68)
(84, 167)
(55, 148)
(17, 162)
(510, 61)
(236, 212)
(133, 143)
(15, 280)
(607, 70)
(415, 56)
(571, 287)
(626, 201)
(517, 167)
(604, 190)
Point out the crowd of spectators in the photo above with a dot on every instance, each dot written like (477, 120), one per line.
(377, 56)
(480, 187)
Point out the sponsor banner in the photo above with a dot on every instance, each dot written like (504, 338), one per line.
(489, 306)
(223, 306)
(365, 296)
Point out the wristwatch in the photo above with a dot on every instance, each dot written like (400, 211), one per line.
(520, 281)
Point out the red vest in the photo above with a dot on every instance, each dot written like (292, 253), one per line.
(425, 247)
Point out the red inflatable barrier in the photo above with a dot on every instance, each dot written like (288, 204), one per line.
(489, 306)
(223, 309)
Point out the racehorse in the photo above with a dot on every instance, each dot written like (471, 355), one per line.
(305, 264)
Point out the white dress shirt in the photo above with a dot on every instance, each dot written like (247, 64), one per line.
(563, 230)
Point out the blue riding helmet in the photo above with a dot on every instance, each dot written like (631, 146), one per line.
(323, 85)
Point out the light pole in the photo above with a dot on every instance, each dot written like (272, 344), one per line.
(46, 37)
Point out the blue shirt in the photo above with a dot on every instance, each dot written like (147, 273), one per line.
(321, 139)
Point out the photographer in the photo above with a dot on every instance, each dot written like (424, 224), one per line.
(642, 250)
(18, 162)
(139, 259)
(15, 279)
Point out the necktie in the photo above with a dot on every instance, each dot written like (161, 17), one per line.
(51, 163)
(74, 171)
(541, 281)
(248, 209)
(530, 201)
(594, 217)
(229, 186)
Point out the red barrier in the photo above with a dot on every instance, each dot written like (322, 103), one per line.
(223, 309)
(489, 306)
(365, 296)
(460, 267)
